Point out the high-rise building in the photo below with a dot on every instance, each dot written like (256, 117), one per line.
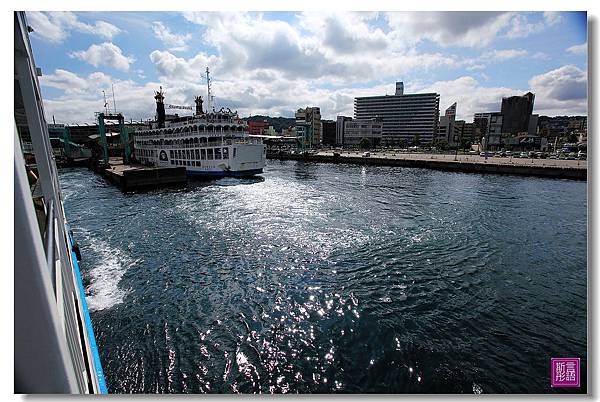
(329, 132)
(405, 118)
(399, 88)
(516, 113)
(446, 125)
(339, 129)
(310, 116)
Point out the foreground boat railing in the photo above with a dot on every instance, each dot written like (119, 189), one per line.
(55, 347)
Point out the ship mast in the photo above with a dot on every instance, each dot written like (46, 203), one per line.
(209, 96)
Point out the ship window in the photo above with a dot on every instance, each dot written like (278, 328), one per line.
(209, 154)
(197, 154)
(217, 153)
(171, 154)
(187, 154)
(225, 153)
(203, 154)
(187, 163)
(172, 162)
(234, 152)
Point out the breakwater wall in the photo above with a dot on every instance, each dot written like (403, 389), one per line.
(559, 172)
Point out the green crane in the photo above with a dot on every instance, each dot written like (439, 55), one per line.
(123, 132)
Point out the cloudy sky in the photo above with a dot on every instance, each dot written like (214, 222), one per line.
(275, 62)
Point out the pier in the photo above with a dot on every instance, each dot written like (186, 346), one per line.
(129, 177)
(550, 168)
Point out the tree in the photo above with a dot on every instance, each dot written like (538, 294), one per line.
(440, 144)
(417, 140)
(364, 143)
(465, 143)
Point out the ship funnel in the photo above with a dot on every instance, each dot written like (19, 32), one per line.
(199, 111)
(160, 107)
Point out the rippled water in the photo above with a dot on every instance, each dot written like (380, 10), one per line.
(334, 278)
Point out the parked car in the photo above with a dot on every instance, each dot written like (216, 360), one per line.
(366, 154)
(582, 156)
(571, 156)
(552, 156)
(524, 155)
(541, 155)
(509, 153)
(516, 155)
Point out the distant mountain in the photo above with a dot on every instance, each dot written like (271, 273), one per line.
(278, 123)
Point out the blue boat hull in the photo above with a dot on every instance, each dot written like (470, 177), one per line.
(243, 173)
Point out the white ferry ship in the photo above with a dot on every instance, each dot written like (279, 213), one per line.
(213, 144)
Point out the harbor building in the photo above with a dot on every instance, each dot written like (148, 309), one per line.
(258, 127)
(446, 125)
(516, 113)
(489, 122)
(329, 132)
(309, 119)
(406, 118)
(357, 130)
(339, 129)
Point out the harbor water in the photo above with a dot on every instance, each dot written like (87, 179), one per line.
(335, 278)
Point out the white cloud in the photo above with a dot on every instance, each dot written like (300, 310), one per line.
(175, 68)
(558, 92)
(561, 91)
(491, 57)
(521, 27)
(506, 54)
(345, 33)
(323, 47)
(56, 26)
(455, 28)
(175, 42)
(578, 49)
(44, 28)
(470, 95)
(65, 80)
(107, 54)
(262, 66)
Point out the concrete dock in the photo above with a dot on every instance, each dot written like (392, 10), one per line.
(137, 177)
(552, 168)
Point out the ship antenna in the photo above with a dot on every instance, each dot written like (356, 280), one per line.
(105, 102)
(209, 97)
(114, 102)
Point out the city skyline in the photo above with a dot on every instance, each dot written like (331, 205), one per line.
(276, 62)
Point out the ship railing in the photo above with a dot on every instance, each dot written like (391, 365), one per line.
(55, 349)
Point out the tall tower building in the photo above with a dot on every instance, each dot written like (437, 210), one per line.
(310, 118)
(399, 88)
(516, 112)
(405, 117)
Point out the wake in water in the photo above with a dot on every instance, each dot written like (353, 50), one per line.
(104, 291)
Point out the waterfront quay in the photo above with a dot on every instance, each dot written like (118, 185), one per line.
(551, 168)
(129, 177)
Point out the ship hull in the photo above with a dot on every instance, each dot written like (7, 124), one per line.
(214, 174)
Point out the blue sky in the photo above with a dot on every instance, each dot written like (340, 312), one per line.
(275, 62)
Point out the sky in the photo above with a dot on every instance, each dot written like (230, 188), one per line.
(273, 63)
